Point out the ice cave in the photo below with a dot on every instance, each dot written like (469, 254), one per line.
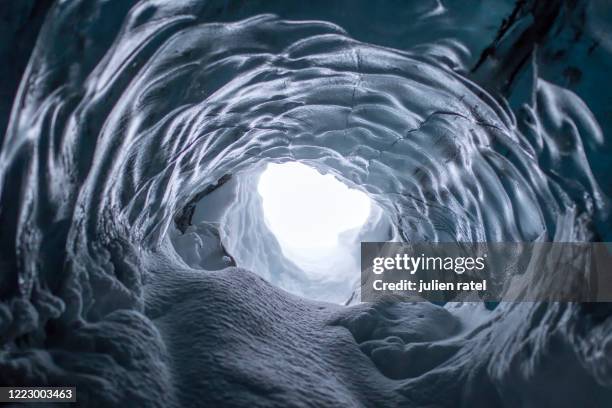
(185, 186)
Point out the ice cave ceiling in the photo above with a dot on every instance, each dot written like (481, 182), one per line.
(135, 260)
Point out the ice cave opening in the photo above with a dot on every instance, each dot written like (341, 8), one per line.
(298, 224)
(314, 217)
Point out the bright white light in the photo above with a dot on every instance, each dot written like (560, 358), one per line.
(307, 210)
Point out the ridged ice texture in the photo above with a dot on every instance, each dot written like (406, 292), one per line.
(123, 117)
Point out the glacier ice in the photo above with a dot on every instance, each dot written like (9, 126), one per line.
(131, 265)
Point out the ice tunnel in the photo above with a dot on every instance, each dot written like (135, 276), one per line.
(186, 188)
